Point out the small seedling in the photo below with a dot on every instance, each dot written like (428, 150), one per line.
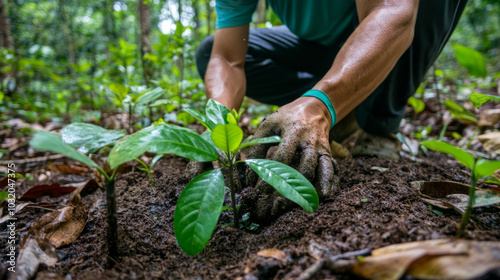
(87, 138)
(435, 211)
(201, 202)
(149, 169)
(479, 169)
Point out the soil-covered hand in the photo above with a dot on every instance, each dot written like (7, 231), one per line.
(303, 126)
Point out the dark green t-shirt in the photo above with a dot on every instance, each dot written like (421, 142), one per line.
(325, 21)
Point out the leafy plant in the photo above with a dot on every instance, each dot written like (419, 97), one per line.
(201, 202)
(77, 139)
(478, 99)
(149, 169)
(479, 169)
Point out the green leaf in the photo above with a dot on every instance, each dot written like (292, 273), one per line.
(162, 139)
(287, 181)
(402, 139)
(150, 96)
(478, 99)
(46, 141)
(3, 196)
(155, 160)
(417, 104)
(89, 138)
(485, 168)
(120, 90)
(210, 125)
(227, 137)
(198, 210)
(265, 140)
(458, 112)
(216, 112)
(461, 156)
(231, 119)
(471, 59)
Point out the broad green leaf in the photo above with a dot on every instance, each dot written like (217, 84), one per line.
(227, 137)
(216, 112)
(461, 156)
(287, 181)
(231, 119)
(417, 104)
(471, 59)
(478, 99)
(89, 138)
(485, 168)
(162, 139)
(458, 112)
(207, 136)
(492, 180)
(198, 210)
(209, 124)
(46, 141)
(150, 96)
(120, 90)
(265, 140)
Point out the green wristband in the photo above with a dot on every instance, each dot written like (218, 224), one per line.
(325, 99)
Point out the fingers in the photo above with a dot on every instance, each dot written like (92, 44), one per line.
(308, 163)
(326, 174)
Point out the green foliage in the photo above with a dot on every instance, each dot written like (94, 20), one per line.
(198, 210)
(480, 169)
(417, 104)
(478, 99)
(4, 195)
(471, 59)
(89, 138)
(162, 139)
(458, 112)
(227, 137)
(47, 141)
(287, 181)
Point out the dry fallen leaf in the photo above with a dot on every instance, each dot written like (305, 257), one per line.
(55, 229)
(454, 195)
(488, 118)
(491, 142)
(432, 259)
(272, 253)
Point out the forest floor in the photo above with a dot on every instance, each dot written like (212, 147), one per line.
(375, 205)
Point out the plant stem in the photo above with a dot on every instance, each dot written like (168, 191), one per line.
(233, 198)
(468, 211)
(112, 233)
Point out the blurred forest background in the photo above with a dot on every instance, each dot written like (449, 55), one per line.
(73, 60)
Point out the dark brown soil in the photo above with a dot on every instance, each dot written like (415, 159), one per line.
(370, 209)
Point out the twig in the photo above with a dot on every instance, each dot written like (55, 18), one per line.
(29, 160)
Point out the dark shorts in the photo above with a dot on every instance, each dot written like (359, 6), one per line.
(280, 67)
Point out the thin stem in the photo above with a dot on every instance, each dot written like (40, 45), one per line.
(112, 232)
(233, 198)
(148, 170)
(468, 211)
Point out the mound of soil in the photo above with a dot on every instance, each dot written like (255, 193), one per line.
(371, 208)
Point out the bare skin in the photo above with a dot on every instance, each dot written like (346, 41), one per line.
(385, 32)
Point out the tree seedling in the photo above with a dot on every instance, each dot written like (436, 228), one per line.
(149, 169)
(201, 202)
(479, 169)
(87, 138)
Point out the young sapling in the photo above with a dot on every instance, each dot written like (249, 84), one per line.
(200, 203)
(479, 169)
(87, 138)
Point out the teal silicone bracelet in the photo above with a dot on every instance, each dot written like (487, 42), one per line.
(325, 99)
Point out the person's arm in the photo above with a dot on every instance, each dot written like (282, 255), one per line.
(385, 32)
(225, 77)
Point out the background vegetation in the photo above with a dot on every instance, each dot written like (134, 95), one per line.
(76, 60)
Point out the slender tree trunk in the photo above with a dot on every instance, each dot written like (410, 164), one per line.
(67, 30)
(7, 42)
(196, 19)
(145, 28)
(209, 17)
(108, 24)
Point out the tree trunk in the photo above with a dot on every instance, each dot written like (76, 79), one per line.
(7, 42)
(145, 27)
(67, 29)
(196, 19)
(209, 17)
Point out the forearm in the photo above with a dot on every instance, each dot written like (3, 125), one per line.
(368, 56)
(225, 82)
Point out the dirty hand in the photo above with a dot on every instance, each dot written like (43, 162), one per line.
(303, 126)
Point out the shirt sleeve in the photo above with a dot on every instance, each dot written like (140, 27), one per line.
(234, 12)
